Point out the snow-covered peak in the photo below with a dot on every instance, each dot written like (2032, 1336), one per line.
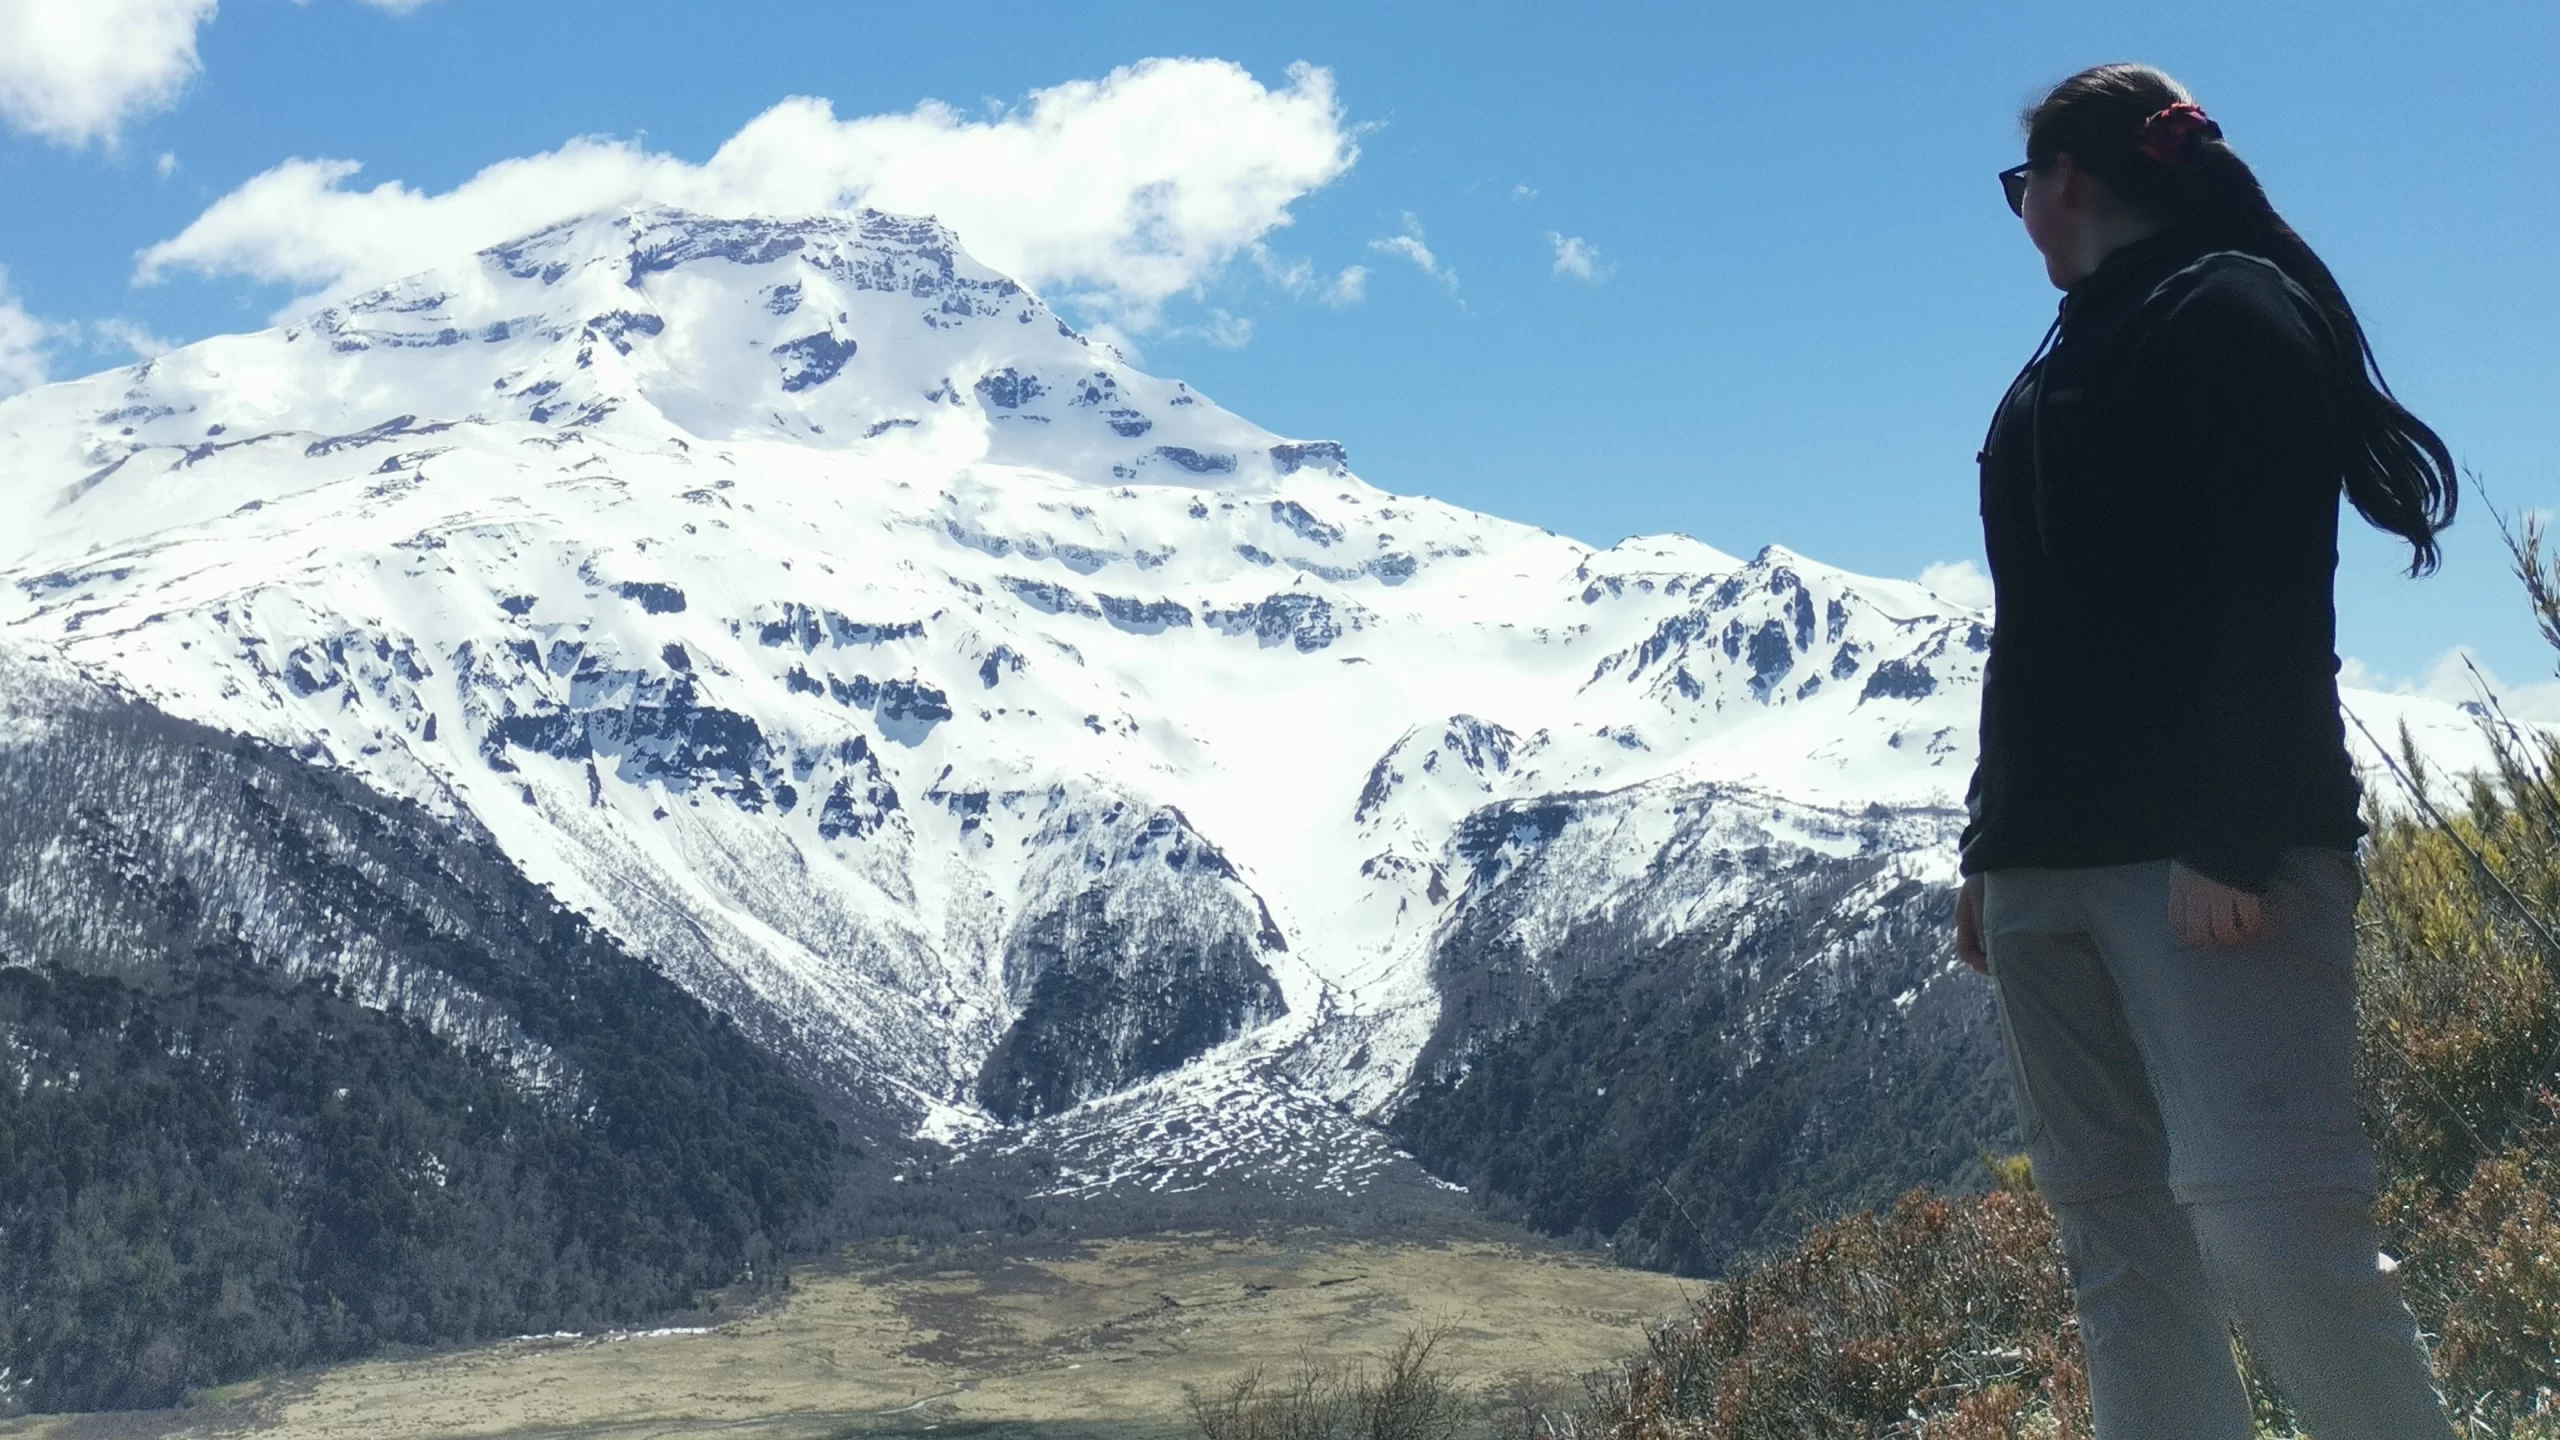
(863, 334)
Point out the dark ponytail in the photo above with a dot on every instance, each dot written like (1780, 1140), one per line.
(2178, 170)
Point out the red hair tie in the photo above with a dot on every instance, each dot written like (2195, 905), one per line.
(2164, 135)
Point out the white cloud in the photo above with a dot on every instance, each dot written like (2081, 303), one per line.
(1122, 192)
(1227, 332)
(1112, 337)
(396, 7)
(74, 71)
(1294, 276)
(167, 164)
(127, 336)
(24, 341)
(1348, 286)
(2450, 678)
(29, 346)
(1961, 581)
(1410, 246)
(1578, 258)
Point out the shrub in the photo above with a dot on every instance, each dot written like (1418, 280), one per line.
(2460, 1011)
(1941, 1316)
(2459, 1000)
(1410, 1396)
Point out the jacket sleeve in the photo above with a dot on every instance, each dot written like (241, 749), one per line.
(1972, 816)
(2252, 415)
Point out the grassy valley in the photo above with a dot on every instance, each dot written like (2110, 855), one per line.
(1050, 1340)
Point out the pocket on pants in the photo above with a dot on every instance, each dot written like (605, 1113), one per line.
(2031, 1126)
(2313, 904)
(2341, 868)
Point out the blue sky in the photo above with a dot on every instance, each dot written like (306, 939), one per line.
(1734, 270)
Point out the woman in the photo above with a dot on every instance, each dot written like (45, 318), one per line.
(2160, 865)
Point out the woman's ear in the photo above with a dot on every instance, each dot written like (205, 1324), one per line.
(2072, 187)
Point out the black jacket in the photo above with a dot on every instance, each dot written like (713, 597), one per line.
(2160, 505)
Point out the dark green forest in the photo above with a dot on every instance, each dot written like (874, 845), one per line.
(289, 1072)
(234, 1173)
(1681, 1106)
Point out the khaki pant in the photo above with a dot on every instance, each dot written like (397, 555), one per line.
(2191, 1117)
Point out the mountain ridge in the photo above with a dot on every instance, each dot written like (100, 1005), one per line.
(820, 613)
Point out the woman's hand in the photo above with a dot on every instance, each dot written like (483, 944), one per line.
(2206, 913)
(1969, 948)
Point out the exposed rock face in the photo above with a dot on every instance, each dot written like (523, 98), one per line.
(1140, 950)
(1561, 888)
(1747, 1005)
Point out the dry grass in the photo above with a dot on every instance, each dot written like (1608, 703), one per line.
(1409, 1396)
(1101, 1341)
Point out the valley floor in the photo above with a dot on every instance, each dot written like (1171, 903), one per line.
(1057, 1342)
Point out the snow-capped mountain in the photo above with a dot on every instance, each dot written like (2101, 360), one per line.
(1000, 733)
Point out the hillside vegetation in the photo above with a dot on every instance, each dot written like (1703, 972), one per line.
(289, 1072)
(1690, 1098)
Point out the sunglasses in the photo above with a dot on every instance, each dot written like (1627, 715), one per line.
(2013, 184)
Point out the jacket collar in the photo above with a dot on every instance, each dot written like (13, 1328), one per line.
(2129, 273)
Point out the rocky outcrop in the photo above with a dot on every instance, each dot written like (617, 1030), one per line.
(1140, 949)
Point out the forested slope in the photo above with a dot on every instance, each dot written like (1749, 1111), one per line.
(289, 1071)
(1691, 1098)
